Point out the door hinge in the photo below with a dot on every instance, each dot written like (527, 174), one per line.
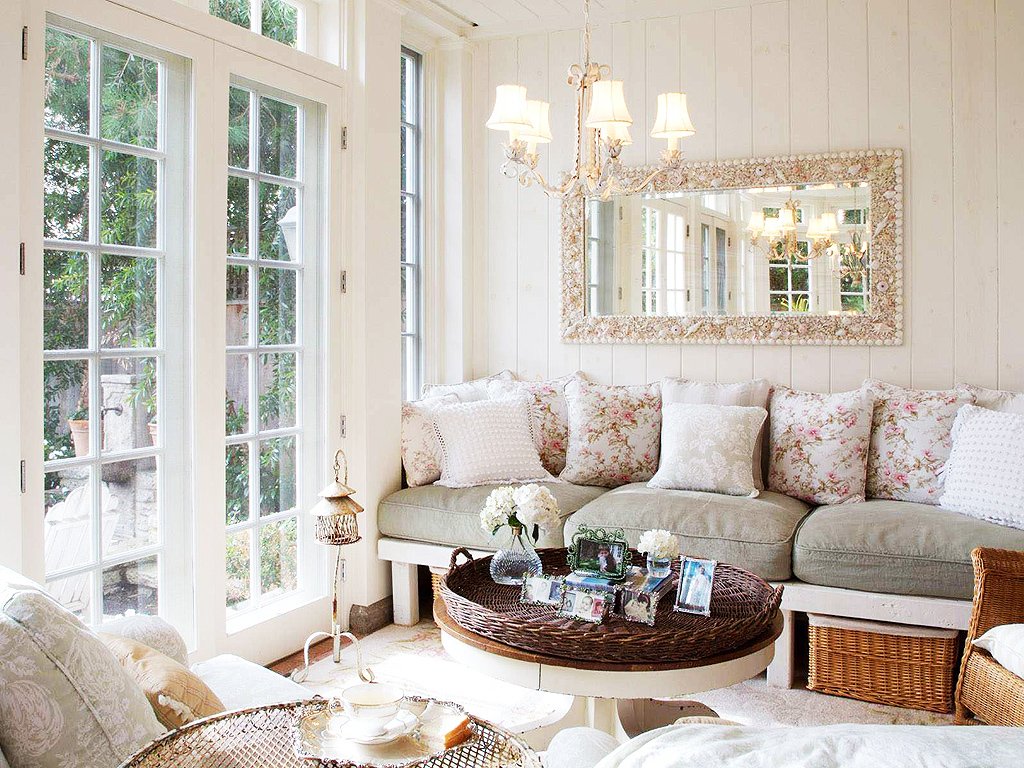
(344, 137)
(22, 475)
(344, 426)
(344, 281)
(21, 259)
(24, 43)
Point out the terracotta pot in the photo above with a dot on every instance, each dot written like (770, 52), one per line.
(152, 432)
(80, 435)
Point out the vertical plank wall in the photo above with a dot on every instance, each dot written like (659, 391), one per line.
(941, 81)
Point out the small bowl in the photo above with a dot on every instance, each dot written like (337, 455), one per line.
(371, 705)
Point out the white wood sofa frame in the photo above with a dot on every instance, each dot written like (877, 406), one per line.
(406, 557)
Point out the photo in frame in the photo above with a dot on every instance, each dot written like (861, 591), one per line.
(585, 604)
(640, 594)
(542, 590)
(696, 577)
(599, 552)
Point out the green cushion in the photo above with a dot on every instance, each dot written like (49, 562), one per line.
(756, 534)
(439, 515)
(896, 547)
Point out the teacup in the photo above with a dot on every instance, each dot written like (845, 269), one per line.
(371, 705)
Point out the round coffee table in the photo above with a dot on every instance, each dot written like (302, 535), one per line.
(618, 696)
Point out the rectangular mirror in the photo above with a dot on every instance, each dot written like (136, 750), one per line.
(719, 254)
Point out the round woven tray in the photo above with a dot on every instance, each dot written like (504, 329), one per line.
(743, 607)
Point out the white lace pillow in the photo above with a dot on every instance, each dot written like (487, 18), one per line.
(421, 455)
(614, 433)
(487, 442)
(984, 476)
(709, 448)
(752, 394)
(819, 445)
(550, 414)
(467, 391)
(996, 399)
(910, 440)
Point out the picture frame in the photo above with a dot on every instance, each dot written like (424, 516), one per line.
(696, 580)
(640, 595)
(584, 604)
(599, 552)
(542, 589)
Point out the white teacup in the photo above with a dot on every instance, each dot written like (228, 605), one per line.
(371, 705)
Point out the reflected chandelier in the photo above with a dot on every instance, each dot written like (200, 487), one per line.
(597, 169)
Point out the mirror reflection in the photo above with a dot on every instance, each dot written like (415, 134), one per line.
(801, 249)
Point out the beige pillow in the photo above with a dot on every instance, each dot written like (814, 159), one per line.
(177, 696)
(467, 391)
(996, 399)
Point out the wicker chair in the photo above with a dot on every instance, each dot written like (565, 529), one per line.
(986, 691)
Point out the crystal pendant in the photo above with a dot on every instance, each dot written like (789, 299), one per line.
(515, 560)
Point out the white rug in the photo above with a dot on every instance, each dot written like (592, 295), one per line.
(413, 658)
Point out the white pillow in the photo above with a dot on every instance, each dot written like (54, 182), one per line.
(709, 448)
(752, 393)
(984, 476)
(996, 399)
(1006, 644)
(421, 455)
(487, 442)
(467, 391)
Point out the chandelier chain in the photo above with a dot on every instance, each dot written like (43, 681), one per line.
(586, 33)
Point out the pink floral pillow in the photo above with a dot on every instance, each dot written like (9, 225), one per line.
(550, 414)
(421, 453)
(614, 433)
(910, 440)
(819, 445)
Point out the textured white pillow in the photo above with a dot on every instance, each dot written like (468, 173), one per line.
(467, 391)
(996, 399)
(421, 455)
(1006, 644)
(487, 442)
(709, 448)
(984, 476)
(752, 393)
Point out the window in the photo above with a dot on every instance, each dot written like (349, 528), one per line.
(855, 291)
(271, 304)
(663, 238)
(411, 239)
(277, 19)
(720, 275)
(789, 281)
(115, 257)
(705, 268)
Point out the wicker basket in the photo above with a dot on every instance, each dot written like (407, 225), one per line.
(893, 664)
(743, 609)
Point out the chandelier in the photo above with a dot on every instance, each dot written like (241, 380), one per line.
(601, 127)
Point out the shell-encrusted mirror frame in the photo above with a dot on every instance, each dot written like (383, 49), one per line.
(881, 168)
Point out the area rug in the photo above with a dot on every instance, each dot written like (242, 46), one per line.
(414, 658)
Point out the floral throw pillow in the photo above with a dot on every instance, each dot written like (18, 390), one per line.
(819, 445)
(614, 433)
(421, 454)
(910, 440)
(550, 414)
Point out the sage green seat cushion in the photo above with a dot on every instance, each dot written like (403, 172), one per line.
(897, 547)
(756, 534)
(439, 515)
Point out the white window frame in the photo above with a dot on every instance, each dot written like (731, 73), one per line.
(412, 361)
(790, 292)
(305, 21)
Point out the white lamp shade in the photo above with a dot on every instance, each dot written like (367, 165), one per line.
(787, 219)
(829, 224)
(619, 133)
(814, 230)
(771, 226)
(756, 223)
(509, 109)
(607, 105)
(537, 112)
(673, 121)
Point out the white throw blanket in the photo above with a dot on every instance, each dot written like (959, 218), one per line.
(848, 746)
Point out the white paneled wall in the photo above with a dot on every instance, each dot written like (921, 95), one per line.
(944, 82)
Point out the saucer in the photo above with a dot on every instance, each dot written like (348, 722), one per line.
(402, 723)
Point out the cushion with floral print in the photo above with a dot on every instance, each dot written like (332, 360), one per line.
(550, 414)
(819, 444)
(614, 433)
(910, 440)
(421, 454)
(467, 391)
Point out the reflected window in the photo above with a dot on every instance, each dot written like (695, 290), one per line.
(789, 281)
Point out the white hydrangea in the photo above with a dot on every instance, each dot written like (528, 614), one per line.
(658, 543)
(498, 508)
(535, 505)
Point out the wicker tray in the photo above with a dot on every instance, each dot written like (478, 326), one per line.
(743, 607)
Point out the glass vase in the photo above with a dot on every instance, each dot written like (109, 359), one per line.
(516, 559)
(659, 567)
